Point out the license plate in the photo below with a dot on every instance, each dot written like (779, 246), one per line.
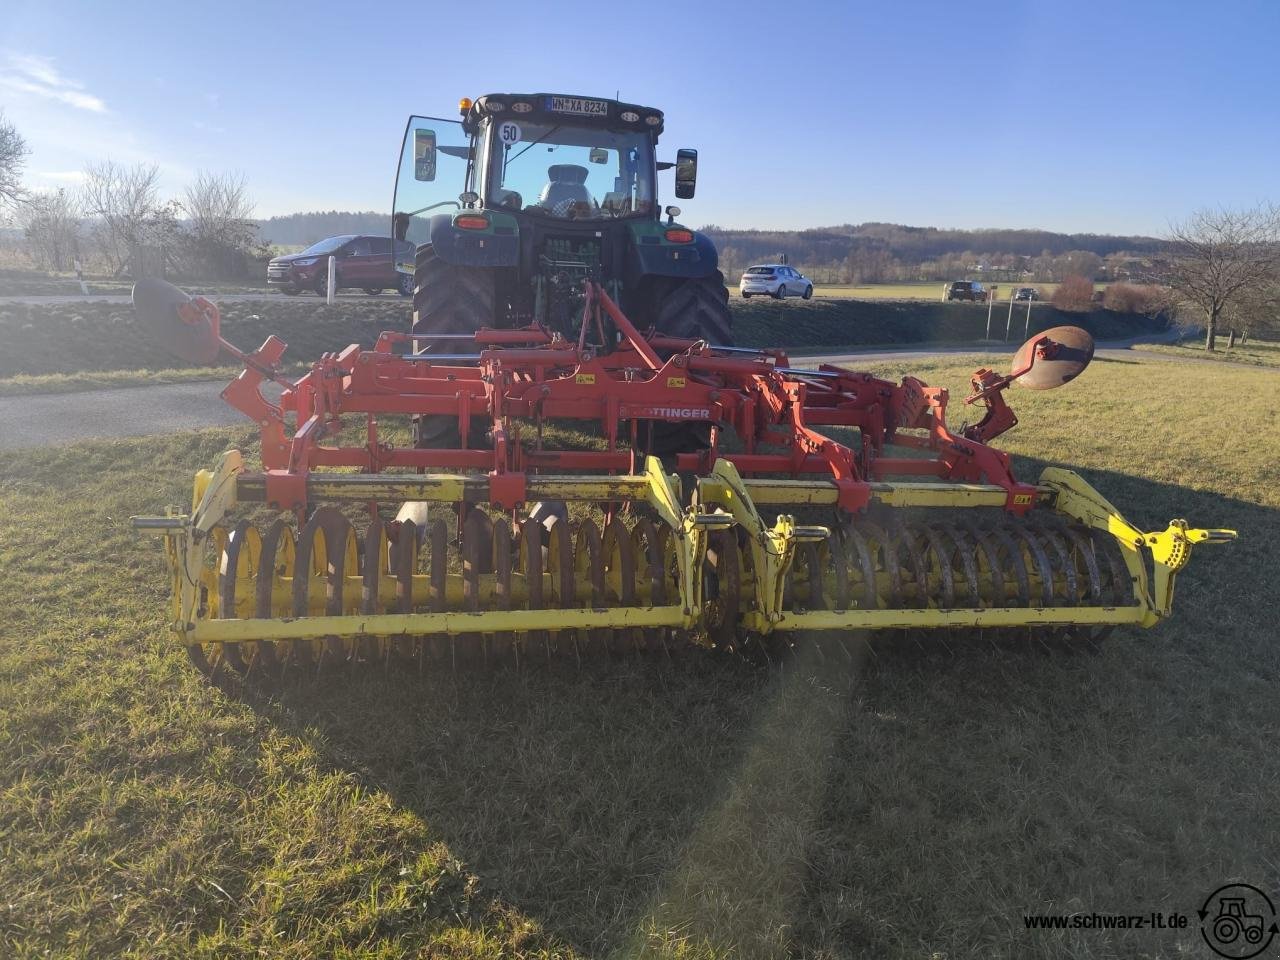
(584, 108)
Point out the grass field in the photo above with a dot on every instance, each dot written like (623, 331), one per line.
(708, 809)
(1260, 353)
(915, 290)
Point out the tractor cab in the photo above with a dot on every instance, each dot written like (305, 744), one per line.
(541, 193)
(550, 157)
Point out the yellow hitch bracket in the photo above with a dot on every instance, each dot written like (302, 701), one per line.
(772, 549)
(213, 494)
(1170, 549)
(689, 536)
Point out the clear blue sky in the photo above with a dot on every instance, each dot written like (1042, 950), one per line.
(1081, 116)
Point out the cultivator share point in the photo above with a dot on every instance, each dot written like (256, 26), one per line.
(922, 528)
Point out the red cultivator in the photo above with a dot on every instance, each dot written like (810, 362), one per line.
(704, 567)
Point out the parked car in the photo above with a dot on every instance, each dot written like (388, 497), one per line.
(1026, 293)
(965, 290)
(775, 280)
(363, 261)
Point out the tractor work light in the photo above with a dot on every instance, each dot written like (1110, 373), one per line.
(653, 119)
(521, 107)
(494, 106)
(679, 236)
(630, 116)
(471, 222)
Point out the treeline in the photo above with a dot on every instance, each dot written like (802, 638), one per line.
(306, 228)
(882, 252)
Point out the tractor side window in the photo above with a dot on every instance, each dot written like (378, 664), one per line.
(431, 175)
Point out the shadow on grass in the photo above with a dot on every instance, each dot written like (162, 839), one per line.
(920, 805)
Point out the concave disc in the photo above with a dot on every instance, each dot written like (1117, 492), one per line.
(156, 304)
(1071, 354)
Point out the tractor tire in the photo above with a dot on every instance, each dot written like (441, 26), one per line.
(449, 299)
(695, 309)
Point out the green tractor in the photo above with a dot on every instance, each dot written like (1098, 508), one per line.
(512, 207)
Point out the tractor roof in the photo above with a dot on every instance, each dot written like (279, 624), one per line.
(562, 108)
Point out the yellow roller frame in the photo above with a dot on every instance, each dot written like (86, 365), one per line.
(724, 499)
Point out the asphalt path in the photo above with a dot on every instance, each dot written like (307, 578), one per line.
(217, 297)
(41, 420)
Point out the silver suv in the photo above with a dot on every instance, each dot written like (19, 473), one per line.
(776, 280)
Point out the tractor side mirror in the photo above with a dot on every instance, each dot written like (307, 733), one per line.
(686, 173)
(424, 155)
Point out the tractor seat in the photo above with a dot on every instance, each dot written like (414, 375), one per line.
(567, 185)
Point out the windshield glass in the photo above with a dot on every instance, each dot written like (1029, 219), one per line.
(571, 173)
(326, 246)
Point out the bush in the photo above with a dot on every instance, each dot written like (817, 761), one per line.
(1135, 298)
(1074, 294)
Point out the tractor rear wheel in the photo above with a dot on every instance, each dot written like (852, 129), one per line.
(694, 309)
(448, 299)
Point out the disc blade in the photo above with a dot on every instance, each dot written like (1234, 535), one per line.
(1071, 351)
(156, 304)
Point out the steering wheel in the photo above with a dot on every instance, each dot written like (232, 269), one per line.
(572, 209)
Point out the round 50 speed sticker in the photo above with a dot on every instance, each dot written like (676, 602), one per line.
(509, 132)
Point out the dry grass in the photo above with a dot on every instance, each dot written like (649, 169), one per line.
(915, 290)
(1261, 353)
(705, 809)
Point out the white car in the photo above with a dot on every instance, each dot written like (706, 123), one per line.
(777, 280)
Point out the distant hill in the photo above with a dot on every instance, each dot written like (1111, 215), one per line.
(868, 251)
(917, 244)
(307, 228)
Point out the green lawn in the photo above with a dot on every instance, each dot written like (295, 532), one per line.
(700, 809)
(1260, 353)
(923, 290)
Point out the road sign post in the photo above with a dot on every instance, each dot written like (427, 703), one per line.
(991, 302)
(333, 278)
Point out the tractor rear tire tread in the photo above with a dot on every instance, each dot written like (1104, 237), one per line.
(450, 299)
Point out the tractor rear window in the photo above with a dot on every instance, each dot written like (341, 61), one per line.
(570, 173)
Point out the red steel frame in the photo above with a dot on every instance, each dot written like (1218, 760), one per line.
(529, 374)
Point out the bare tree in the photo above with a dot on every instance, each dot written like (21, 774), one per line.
(1220, 256)
(1255, 313)
(220, 229)
(125, 201)
(13, 157)
(51, 224)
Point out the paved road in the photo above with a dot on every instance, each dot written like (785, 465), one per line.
(53, 419)
(218, 297)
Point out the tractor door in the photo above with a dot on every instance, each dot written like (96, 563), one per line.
(435, 165)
